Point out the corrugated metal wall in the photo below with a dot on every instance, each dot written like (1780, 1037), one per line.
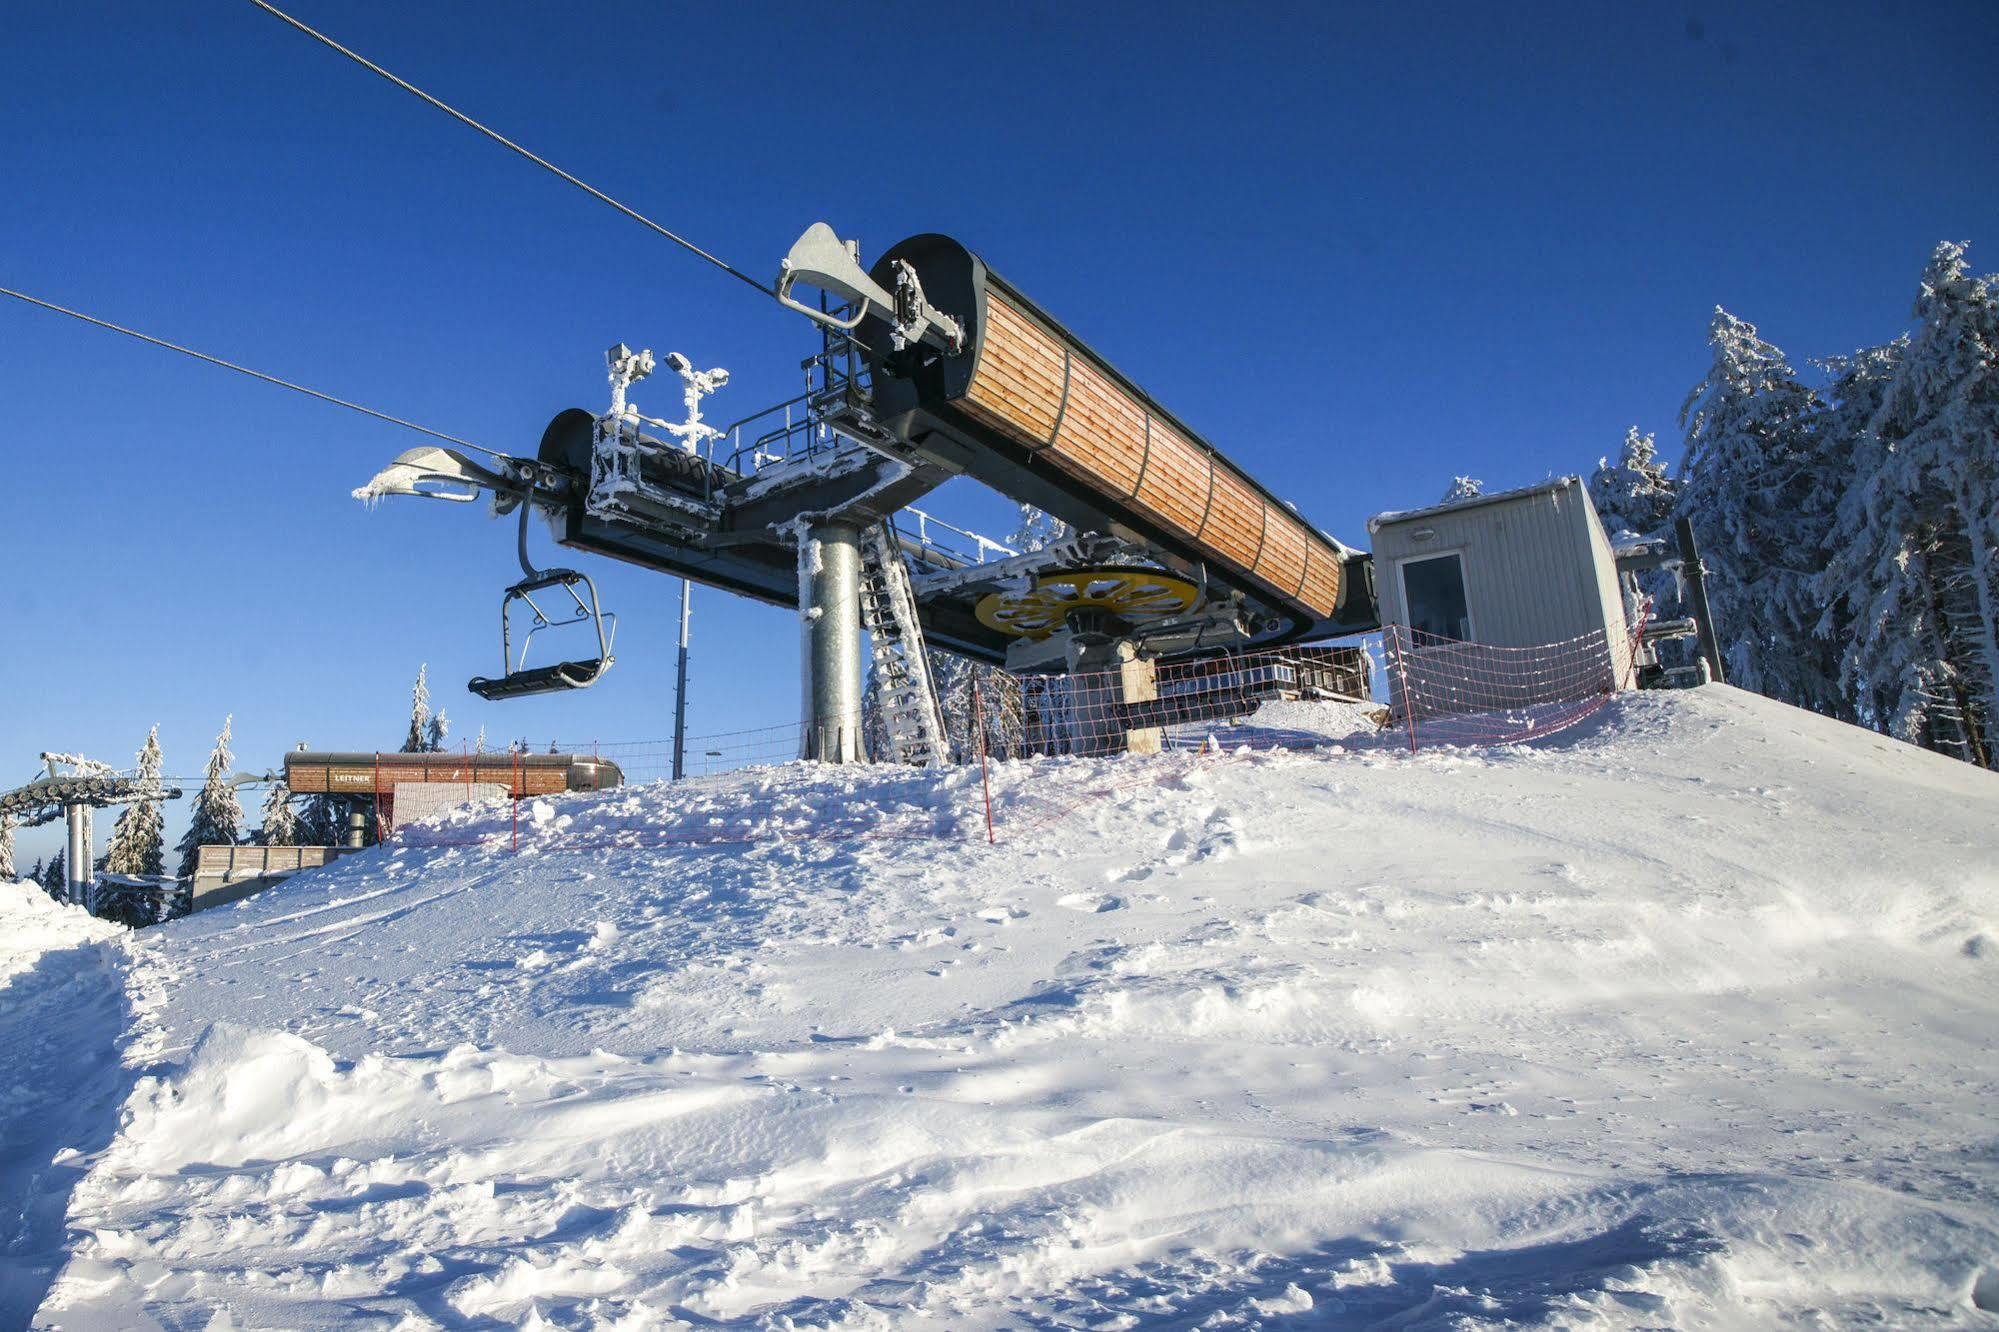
(1538, 568)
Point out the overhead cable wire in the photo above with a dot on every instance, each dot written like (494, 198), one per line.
(246, 370)
(505, 142)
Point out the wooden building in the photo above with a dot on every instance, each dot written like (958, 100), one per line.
(520, 775)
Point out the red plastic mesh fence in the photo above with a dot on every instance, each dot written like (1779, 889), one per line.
(1445, 691)
(1208, 703)
(744, 786)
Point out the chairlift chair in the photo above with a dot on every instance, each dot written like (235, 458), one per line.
(521, 680)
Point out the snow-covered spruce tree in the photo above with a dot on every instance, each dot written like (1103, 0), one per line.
(954, 678)
(6, 847)
(281, 824)
(968, 691)
(1038, 707)
(1939, 428)
(419, 732)
(218, 816)
(1880, 599)
(1634, 498)
(874, 722)
(35, 874)
(479, 745)
(434, 733)
(138, 839)
(1462, 488)
(323, 821)
(1633, 494)
(1761, 499)
(1037, 530)
(55, 879)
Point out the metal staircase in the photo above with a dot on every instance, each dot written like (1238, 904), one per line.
(908, 696)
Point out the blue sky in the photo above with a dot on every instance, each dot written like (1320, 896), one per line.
(1362, 248)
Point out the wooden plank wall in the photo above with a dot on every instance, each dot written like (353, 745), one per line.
(362, 778)
(1034, 388)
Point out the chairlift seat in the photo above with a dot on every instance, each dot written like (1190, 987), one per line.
(523, 681)
(555, 678)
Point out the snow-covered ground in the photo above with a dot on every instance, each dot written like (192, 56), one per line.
(1685, 1017)
(67, 1013)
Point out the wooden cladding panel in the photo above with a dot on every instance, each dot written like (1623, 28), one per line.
(1282, 563)
(1322, 579)
(1177, 478)
(370, 778)
(1021, 374)
(1102, 436)
(1234, 524)
(1032, 388)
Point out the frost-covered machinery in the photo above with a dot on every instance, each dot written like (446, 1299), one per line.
(931, 366)
(72, 787)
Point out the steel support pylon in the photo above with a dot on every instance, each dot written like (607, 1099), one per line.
(829, 607)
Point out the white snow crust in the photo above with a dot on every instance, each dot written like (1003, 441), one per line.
(1684, 1017)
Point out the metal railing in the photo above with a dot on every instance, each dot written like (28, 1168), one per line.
(800, 426)
(915, 527)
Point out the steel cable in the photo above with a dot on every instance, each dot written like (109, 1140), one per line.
(246, 370)
(505, 142)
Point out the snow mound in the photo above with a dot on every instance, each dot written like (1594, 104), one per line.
(64, 1015)
(1683, 1016)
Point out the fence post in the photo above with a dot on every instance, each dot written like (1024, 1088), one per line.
(515, 792)
(985, 774)
(1402, 672)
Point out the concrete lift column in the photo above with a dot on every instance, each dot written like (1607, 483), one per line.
(829, 608)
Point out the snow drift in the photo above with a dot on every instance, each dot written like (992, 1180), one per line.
(1683, 1017)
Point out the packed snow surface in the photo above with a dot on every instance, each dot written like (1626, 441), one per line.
(1684, 1017)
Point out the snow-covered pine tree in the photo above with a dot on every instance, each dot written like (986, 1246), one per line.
(1879, 600)
(1037, 708)
(479, 745)
(6, 847)
(434, 733)
(1939, 428)
(35, 874)
(419, 732)
(218, 816)
(1759, 496)
(138, 839)
(1462, 488)
(1037, 530)
(874, 723)
(968, 690)
(1634, 498)
(281, 824)
(323, 821)
(55, 879)
(1633, 494)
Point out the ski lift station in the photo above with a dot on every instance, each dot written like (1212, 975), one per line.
(930, 366)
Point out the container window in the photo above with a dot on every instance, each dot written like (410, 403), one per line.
(1433, 589)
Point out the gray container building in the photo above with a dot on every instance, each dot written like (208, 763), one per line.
(1518, 569)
